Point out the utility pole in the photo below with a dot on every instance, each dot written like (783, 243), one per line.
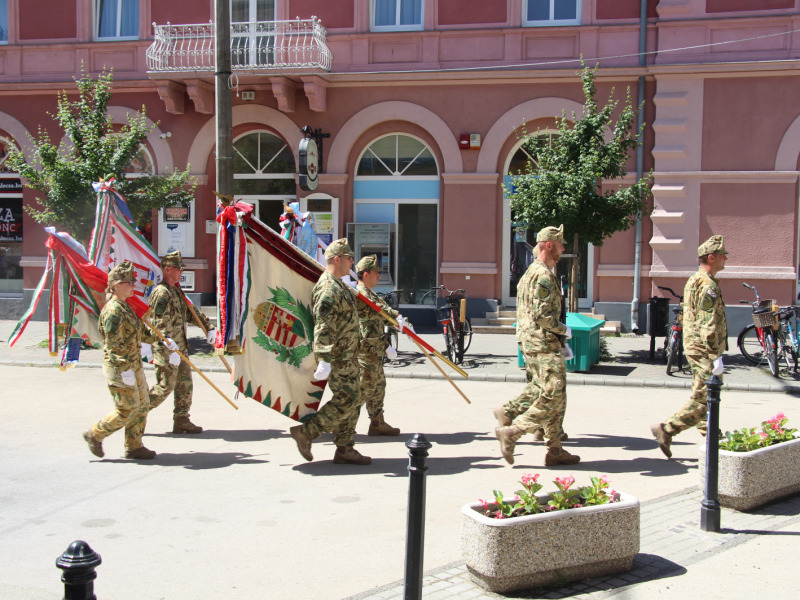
(224, 109)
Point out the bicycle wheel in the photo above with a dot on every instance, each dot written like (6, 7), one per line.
(467, 334)
(749, 345)
(770, 351)
(449, 340)
(674, 359)
(783, 347)
(393, 338)
(665, 348)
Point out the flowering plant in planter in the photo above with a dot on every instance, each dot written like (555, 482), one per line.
(526, 502)
(772, 432)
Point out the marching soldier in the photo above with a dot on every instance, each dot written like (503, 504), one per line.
(374, 346)
(705, 339)
(122, 334)
(170, 316)
(539, 330)
(336, 348)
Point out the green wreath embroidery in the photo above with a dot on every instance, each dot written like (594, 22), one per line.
(303, 327)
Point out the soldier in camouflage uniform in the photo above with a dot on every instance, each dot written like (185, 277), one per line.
(122, 334)
(374, 346)
(336, 347)
(705, 339)
(539, 330)
(170, 314)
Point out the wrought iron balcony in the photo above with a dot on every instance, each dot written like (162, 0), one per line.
(257, 45)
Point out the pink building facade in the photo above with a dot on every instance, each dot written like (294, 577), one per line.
(419, 103)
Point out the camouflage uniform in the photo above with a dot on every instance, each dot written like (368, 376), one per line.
(169, 317)
(373, 347)
(543, 401)
(336, 341)
(123, 334)
(705, 337)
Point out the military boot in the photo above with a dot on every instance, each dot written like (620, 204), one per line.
(95, 445)
(663, 438)
(503, 420)
(349, 455)
(140, 453)
(539, 436)
(184, 425)
(303, 441)
(556, 455)
(508, 437)
(377, 426)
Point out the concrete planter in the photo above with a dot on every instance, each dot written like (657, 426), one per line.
(503, 555)
(748, 480)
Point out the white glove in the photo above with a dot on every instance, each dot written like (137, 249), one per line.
(128, 378)
(401, 322)
(567, 352)
(170, 344)
(391, 353)
(174, 359)
(323, 370)
(568, 334)
(147, 352)
(212, 336)
(718, 366)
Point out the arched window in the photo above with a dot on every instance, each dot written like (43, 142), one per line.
(263, 174)
(141, 164)
(396, 197)
(10, 222)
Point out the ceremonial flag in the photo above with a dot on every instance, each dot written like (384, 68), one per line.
(265, 286)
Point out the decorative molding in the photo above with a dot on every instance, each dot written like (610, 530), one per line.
(284, 90)
(172, 94)
(470, 268)
(333, 178)
(316, 92)
(471, 178)
(202, 94)
(727, 177)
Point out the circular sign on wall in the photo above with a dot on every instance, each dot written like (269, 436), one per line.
(309, 165)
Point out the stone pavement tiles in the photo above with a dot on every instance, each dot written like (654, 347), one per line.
(671, 540)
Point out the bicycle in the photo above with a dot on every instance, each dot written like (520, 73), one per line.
(456, 327)
(765, 338)
(393, 300)
(673, 341)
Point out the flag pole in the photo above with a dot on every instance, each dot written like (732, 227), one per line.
(188, 362)
(199, 323)
(441, 370)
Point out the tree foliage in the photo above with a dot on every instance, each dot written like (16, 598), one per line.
(93, 148)
(564, 184)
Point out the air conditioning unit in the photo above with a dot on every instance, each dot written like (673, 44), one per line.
(248, 95)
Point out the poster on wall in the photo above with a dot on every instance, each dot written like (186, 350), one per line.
(176, 230)
(10, 219)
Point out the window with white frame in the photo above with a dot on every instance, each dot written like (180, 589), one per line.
(539, 13)
(253, 32)
(3, 21)
(397, 15)
(117, 19)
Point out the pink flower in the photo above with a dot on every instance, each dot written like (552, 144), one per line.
(515, 498)
(499, 515)
(529, 479)
(566, 481)
(780, 416)
(604, 479)
(764, 435)
(612, 495)
(484, 503)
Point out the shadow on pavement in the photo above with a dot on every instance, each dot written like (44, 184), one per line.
(323, 466)
(198, 461)
(238, 435)
(647, 467)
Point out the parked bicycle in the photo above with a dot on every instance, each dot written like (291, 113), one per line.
(393, 300)
(772, 337)
(456, 327)
(672, 351)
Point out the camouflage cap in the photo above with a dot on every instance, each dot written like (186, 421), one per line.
(368, 263)
(122, 273)
(551, 234)
(713, 245)
(173, 259)
(338, 248)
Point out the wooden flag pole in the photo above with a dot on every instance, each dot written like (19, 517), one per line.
(441, 370)
(199, 323)
(188, 362)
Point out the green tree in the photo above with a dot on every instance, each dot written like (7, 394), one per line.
(93, 148)
(563, 185)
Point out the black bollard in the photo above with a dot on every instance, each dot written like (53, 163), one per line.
(418, 447)
(710, 511)
(78, 563)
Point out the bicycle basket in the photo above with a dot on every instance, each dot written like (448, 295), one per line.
(764, 317)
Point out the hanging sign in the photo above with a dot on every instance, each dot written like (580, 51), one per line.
(309, 165)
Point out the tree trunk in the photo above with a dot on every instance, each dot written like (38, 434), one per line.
(573, 277)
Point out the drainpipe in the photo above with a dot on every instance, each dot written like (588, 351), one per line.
(637, 248)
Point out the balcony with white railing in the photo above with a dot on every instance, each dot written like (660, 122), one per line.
(257, 45)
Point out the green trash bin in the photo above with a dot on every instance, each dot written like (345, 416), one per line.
(585, 342)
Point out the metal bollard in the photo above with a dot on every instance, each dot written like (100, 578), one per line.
(710, 511)
(78, 563)
(418, 447)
